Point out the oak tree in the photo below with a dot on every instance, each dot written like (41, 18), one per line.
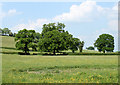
(23, 38)
(54, 38)
(105, 42)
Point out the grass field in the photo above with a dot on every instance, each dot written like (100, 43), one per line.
(56, 69)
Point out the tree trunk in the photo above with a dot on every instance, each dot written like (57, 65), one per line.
(104, 51)
(25, 52)
(26, 48)
(57, 50)
(54, 52)
(80, 49)
(73, 51)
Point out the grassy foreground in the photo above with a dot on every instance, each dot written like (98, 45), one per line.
(34, 69)
(56, 69)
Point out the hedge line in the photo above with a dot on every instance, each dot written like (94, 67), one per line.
(93, 53)
(80, 54)
(64, 53)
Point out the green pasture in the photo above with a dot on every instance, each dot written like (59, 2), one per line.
(56, 69)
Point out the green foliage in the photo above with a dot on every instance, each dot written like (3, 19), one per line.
(54, 38)
(6, 31)
(1, 31)
(90, 48)
(14, 34)
(105, 42)
(52, 26)
(33, 46)
(24, 38)
(81, 46)
(37, 35)
(11, 34)
(74, 44)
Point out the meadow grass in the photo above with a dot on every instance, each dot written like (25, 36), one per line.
(56, 69)
(41, 69)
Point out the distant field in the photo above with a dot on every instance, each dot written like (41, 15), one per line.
(56, 69)
(8, 41)
(8, 44)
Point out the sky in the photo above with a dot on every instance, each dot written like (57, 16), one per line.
(85, 20)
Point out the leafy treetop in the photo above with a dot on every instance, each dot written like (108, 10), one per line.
(24, 38)
(105, 42)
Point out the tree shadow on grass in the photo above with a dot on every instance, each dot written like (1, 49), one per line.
(56, 54)
(11, 48)
(8, 48)
(9, 52)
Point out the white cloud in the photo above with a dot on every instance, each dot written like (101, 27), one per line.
(36, 25)
(10, 12)
(112, 16)
(113, 19)
(86, 11)
(113, 25)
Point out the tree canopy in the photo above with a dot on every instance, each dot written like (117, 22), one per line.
(23, 38)
(81, 46)
(11, 34)
(105, 42)
(54, 38)
(6, 31)
(74, 44)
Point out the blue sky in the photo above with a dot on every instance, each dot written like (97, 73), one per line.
(85, 20)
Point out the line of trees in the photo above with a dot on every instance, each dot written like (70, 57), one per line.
(54, 38)
(6, 32)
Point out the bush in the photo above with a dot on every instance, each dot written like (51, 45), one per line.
(90, 48)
